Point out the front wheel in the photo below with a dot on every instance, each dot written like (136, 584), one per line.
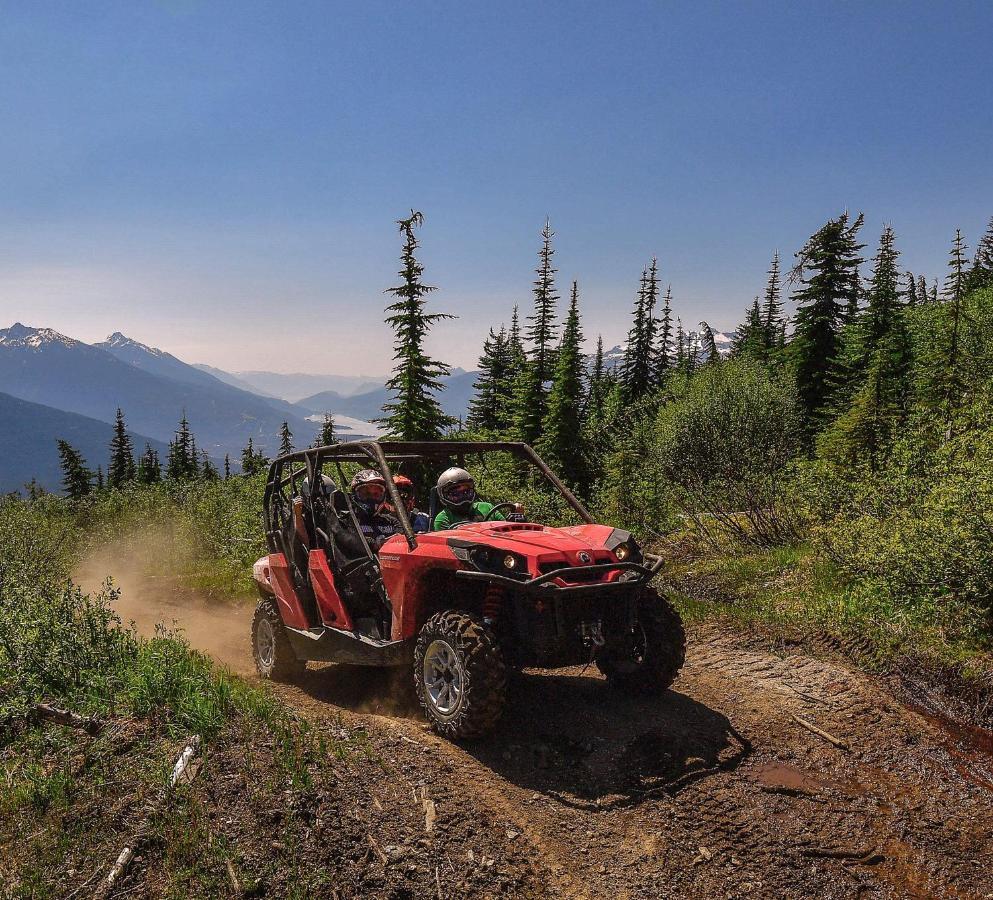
(647, 658)
(459, 675)
(271, 650)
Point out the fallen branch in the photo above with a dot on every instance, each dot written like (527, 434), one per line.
(124, 858)
(813, 729)
(64, 717)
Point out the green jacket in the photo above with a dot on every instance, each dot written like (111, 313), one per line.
(480, 510)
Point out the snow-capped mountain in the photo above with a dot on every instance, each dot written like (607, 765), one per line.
(19, 336)
(614, 357)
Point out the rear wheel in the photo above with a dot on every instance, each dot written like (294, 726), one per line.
(648, 658)
(459, 675)
(274, 657)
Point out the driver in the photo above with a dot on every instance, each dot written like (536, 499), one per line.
(368, 491)
(460, 503)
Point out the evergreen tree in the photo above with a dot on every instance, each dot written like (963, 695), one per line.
(954, 291)
(533, 392)
(710, 351)
(76, 477)
(35, 490)
(415, 413)
(121, 469)
(640, 368)
(981, 273)
(911, 291)
(681, 351)
(664, 349)
(486, 406)
(542, 331)
(285, 439)
(772, 307)
(182, 463)
(883, 294)
(227, 466)
(327, 437)
(750, 337)
(252, 461)
(561, 442)
(208, 471)
(599, 387)
(827, 272)
(923, 295)
(100, 482)
(149, 467)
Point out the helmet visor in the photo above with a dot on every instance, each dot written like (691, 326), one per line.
(371, 493)
(460, 492)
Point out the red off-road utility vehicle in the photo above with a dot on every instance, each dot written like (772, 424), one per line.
(462, 605)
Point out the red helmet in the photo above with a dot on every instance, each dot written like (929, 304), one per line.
(406, 489)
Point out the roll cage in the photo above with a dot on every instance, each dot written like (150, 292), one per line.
(287, 474)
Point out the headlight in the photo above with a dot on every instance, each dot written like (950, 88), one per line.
(510, 561)
(622, 552)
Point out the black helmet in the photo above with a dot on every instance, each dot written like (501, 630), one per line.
(457, 490)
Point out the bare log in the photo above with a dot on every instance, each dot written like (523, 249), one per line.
(61, 716)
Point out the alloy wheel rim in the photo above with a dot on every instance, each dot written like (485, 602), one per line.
(265, 641)
(444, 678)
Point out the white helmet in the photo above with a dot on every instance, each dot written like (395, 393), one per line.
(457, 489)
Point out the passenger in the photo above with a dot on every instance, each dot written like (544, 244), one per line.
(368, 491)
(419, 521)
(457, 494)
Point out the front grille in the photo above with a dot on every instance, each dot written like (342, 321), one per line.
(575, 577)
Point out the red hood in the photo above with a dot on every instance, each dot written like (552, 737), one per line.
(528, 539)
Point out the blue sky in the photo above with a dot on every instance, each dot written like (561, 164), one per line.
(221, 179)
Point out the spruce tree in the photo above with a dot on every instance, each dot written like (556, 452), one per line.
(883, 293)
(750, 337)
(327, 437)
(490, 386)
(827, 271)
(76, 477)
(415, 413)
(100, 482)
(149, 467)
(208, 471)
(542, 331)
(634, 365)
(599, 387)
(664, 348)
(533, 395)
(121, 469)
(252, 461)
(681, 351)
(560, 441)
(953, 294)
(285, 439)
(772, 306)
(182, 463)
(227, 466)
(911, 291)
(709, 344)
(981, 273)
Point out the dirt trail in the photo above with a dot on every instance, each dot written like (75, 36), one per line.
(714, 790)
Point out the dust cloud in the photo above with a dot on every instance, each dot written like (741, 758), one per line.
(219, 628)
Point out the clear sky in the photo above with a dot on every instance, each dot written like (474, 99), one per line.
(221, 178)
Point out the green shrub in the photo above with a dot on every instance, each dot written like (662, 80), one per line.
(726, 443)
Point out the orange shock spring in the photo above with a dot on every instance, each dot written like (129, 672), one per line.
(492, 603)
